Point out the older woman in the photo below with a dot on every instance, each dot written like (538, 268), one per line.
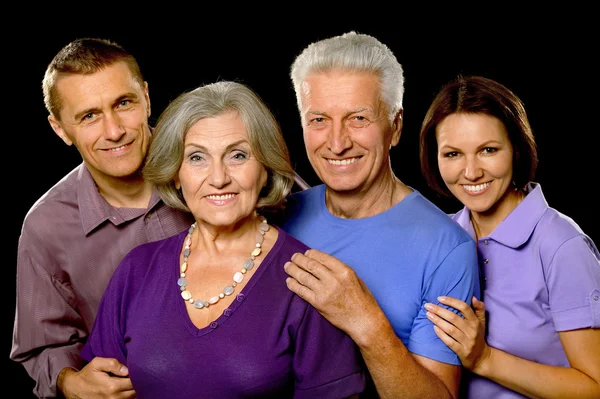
(206, 313)
(541, 273)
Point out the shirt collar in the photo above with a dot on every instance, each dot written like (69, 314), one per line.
(95, 210)
(518, 226)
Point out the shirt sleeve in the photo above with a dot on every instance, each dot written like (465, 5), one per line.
(327, 363)
(107, 338)
(573, 279)
(457, 276)
(48, 332)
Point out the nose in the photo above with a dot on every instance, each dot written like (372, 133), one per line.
(339, 139)
(114, 126)
(473, 170)
(219, 176)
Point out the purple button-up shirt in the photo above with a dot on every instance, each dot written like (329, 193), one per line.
(540, 275)
(71, 241)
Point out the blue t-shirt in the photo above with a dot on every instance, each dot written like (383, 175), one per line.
(407, 256)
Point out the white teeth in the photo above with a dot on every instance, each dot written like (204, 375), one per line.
(118, 148)
(342, 161)
(473, 188)
(220, 197)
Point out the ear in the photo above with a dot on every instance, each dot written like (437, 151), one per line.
(396, 128)
(147, 96)
(177, 182)
(56, 126)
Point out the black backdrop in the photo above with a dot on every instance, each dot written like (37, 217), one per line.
(551, 65)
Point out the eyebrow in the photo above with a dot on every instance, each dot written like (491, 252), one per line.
(354, 111)
(229, 146)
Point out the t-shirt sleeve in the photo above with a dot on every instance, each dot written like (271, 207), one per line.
(573, 279)
(106, 338)
(457, 276)
(327, 363)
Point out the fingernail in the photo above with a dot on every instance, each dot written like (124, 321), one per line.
(428, 306)
(429, 316)
(441, 298)
(124, 370)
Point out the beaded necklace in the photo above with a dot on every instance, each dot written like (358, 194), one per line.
(238, 277)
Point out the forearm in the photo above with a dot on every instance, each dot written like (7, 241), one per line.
(395, 372)
(45, 367)
(537, 380)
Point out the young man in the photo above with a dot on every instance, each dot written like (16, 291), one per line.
(371, 233)
(76, 234)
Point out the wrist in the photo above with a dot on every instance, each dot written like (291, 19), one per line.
(62, 377)
(483, 366)
(371, 330)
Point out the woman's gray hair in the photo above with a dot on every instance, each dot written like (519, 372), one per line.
(356, 52)
(165, 155)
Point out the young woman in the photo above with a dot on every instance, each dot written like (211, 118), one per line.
(538, 333)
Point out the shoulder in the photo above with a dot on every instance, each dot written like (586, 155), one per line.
(57, 205)
(435, 223)
(555, 229)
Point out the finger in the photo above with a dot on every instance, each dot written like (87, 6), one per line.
(448, 340)
(479, 310)
(302, 291)
(477, 304)
(449, 315)
(110, 365)
(450, 328)
(327, 260)
(311, 265)
(457, 304)
(302, 276)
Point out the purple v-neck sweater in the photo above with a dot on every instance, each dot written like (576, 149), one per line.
(267, 343)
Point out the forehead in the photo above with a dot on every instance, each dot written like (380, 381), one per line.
(220, 129)
(77, 91)
(340, 89)
(472, 127)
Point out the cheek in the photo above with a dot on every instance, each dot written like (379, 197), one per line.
(448, 171)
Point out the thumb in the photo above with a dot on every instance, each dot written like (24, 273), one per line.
(479, 308)
(111, 365)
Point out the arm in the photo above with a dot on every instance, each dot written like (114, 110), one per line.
(48, 331)
(342, 298)
(465, 337)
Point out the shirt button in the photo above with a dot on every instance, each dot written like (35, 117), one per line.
(240, 297)
(227, 312)
(485, 242)
(214, 324)
(486, 261)
(596, 297)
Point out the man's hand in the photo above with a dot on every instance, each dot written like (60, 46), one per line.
(100, 378)
(335, 290)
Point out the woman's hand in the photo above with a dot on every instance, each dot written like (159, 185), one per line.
(464, 335)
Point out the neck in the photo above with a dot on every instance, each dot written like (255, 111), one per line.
(374, 200)
(131, 192)
(218, 239)
(486, 222)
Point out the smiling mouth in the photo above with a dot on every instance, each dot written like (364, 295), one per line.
(343, 162)
(117, 149)
(220, 197)
(476, 188)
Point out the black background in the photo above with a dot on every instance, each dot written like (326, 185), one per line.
(547, 59)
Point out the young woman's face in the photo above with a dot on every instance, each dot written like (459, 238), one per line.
(475, 159)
